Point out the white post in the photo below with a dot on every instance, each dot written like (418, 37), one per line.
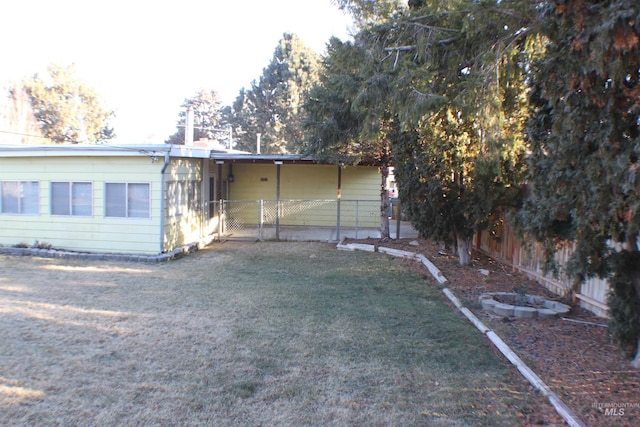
(188, 131)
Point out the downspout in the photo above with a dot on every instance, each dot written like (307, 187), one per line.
(167, 158)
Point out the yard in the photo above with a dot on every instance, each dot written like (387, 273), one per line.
(246, 334)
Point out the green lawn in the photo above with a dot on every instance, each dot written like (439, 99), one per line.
(244, 334)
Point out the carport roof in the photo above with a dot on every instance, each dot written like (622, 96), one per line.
(260, 158)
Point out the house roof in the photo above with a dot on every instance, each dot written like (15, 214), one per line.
(215, 153)
(101, 150)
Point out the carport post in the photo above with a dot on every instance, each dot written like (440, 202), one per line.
(398, 221)
(219, 191)
(338, 201)
(278, 164)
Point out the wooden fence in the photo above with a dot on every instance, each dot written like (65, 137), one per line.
(529, 259)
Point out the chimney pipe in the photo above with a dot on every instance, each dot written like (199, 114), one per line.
(188, 131)
(258, 135)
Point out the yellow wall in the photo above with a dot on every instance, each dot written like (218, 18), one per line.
(96, 233)
(183, 225)
(302, 183)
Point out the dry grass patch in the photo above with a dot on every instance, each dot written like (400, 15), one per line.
(244, 334)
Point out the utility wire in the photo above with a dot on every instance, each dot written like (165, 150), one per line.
(23, 134)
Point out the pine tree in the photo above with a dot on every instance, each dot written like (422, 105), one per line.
(273, 106)
(208, 119)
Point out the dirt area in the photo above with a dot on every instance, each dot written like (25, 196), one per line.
(574, 355)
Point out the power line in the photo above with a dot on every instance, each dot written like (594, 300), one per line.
(23, 134)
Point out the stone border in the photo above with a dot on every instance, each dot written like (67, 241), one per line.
(435, 272)
(561, 408)
(548, 309)
(95, 256)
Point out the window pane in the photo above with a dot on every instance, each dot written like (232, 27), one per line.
(10, 197)
(115, 200)
(82, 198)
(60, 198)
(138, 199)
(30, 203)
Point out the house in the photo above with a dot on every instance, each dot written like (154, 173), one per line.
(152, 199)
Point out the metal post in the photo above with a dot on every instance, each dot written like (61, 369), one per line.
(278, 164)
(397, 220)
(357, 217)
(220, 214)
(339, 199)
(261, 218)
(219, 197)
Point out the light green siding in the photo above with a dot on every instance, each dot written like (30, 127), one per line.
(96, 233)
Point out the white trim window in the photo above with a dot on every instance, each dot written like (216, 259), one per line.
(127, 200)
(72, 198)
(20, 197)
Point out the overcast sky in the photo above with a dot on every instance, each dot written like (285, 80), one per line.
(145, 57)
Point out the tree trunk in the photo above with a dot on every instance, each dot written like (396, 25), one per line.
(384, 202)
(636, 362)
(464, 250)
(631, 244)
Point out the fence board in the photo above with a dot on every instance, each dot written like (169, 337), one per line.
(529, 259)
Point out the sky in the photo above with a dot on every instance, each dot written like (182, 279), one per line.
(146, 57)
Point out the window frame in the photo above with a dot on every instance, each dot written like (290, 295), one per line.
(127, 207)
(21, 197)
(70, 196)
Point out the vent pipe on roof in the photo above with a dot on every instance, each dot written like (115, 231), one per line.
(188, 131)
(258, 142)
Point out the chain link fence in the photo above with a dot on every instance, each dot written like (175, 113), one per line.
(297, 219)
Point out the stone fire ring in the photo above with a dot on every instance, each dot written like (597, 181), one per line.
(543, 308)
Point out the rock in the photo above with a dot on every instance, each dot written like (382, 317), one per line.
(535, 300)
(488, 304)
(484, 272)
(503, 309)
(414, 243)
(556, 306)
(525, 312)
(545, 313)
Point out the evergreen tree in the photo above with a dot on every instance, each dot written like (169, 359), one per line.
(366, 12)
(208, 118)
(68, 109)
(442, 83)
(457, 72)
(585, 143)
(273, 107)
